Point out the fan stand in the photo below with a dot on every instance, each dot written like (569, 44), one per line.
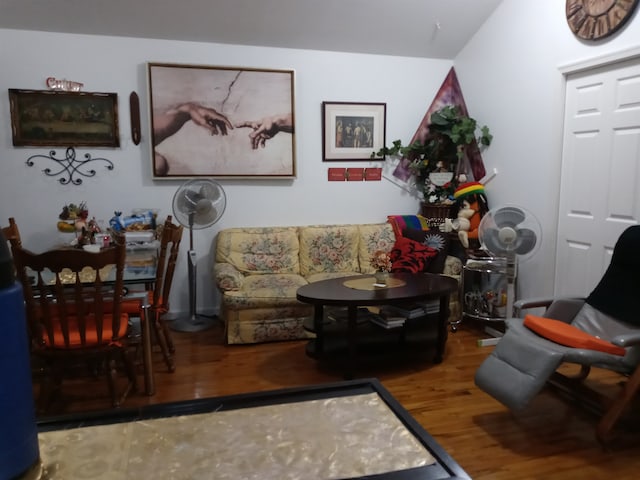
(194, 322)
(511, 269)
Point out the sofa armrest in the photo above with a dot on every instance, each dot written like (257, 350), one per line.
(452, 266)
(227, 277)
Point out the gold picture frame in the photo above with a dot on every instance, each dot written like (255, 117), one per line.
(69, 119)
(221, 122)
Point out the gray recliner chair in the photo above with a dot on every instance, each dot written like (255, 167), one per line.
(524, 361)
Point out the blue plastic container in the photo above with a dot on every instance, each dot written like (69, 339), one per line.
(19, 449)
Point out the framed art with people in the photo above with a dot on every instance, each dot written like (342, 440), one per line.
(221, 121)
(351, 131)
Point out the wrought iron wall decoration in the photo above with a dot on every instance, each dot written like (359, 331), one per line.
(71, 167)
(65, 119)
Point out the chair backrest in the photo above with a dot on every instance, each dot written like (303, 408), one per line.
(169, 246)
(74, 301)
(11, 233)
(617, 291)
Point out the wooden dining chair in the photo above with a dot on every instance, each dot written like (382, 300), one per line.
(11, 233)
(74, 314)
(170, 239)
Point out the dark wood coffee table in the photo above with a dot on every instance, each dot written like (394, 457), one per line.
(337, 292)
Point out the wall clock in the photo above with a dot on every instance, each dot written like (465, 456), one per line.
(596, 19)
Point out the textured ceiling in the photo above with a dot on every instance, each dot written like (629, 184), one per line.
(415, 28)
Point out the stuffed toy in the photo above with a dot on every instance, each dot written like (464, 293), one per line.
(472, 205)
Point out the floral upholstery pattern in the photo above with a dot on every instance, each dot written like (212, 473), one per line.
(258, 290)
(328, 249)
(374, 237)
(452, 267)
(316, 277)
(268, 324)
(256, 250)
(258, 271)
(229, 277)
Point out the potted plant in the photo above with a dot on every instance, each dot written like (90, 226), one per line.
(381, 262)
(434, 162)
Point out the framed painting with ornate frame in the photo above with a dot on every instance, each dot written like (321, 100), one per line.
(352, 131)
(69, 119)
(224, 122)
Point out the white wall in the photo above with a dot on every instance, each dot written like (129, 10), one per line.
(110, 64)
(510, 75)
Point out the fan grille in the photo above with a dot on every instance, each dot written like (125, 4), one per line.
(199, 203)
(510, 230)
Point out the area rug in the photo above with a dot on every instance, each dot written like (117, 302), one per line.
(342, 437)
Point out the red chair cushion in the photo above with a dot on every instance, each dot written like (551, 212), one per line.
(569, 336)
(91, 333)
(132, 306)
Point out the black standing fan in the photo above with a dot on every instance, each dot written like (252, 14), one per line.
(197, 204)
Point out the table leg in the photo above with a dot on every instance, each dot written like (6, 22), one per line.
(352, 323)
(318, 321)
(443, 320)
(149, 382)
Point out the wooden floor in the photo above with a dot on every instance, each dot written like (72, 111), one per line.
(552, 439)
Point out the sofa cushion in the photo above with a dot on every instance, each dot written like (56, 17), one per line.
(263, 290)
(260, 249)
(411, 256)
(432, 238)
(328, 248)
(373, 237)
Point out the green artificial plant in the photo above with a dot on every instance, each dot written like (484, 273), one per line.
(450, 134)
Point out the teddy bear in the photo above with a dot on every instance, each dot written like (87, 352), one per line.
(472, 205)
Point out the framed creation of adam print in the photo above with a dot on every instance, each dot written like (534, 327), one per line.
(221, 121)
(70, 119)
(352, 131)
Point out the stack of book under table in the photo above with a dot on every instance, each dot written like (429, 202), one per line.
(393, 316)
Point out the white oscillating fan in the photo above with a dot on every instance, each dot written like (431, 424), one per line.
(197, 204)
(511, 233)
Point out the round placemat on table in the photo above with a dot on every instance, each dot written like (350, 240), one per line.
(369, 283)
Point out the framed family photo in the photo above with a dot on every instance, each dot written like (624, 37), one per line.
(221, 121)
(351, 131)
(69, 119)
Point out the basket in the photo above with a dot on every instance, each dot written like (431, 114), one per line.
(437, 213)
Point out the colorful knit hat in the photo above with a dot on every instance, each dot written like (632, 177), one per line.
(468, 188)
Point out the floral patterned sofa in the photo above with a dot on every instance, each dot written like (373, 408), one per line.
(259, 269)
